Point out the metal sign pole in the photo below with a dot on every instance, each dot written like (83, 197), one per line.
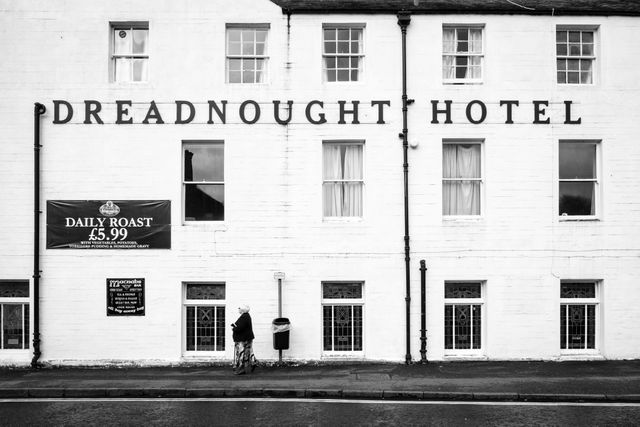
(279, 276)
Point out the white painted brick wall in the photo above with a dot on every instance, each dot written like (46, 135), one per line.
(273, 180)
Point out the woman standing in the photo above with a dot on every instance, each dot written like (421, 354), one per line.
(243, 339)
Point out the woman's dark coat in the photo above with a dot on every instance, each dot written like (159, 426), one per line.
(242, 329)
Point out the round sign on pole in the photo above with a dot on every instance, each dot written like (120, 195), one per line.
(279, 275)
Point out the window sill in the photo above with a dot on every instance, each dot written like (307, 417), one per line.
(203, 223)
(203, 355)
(581, 355)
(577, 218)
(465, 357)
(343, 355)
(462, 218)
(462, 82)
(342, 219)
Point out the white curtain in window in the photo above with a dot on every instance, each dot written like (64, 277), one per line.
(448, 61)
(352, 203)
(475, 69)
(460, 196)
(332, 191)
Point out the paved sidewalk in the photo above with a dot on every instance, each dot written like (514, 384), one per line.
(593, 381)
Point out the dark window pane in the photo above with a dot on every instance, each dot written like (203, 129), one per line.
(343, 34)
(357, 328)
(462, 290)
(331, 75)
(561, 49)
(562, 77)
(205, 291)
(574, 36)
(462, 326)
(329, 47)
(343, 47)
(561, 36)
(191, 329)
(563, 326)
(205, 341)
(342, 328)
(330, 34)
(576, 198)
(577, 290)
(577, 160)
(354, 75)
(591, 326)
(14, 289)
(12, 326)
(220, 325)
(203, 162)
(448, 327)
(341, 290)
(204, 202)
(343, 75)
(587, 37)
(343, 62)
(573, 77)
(577, 326)
(326, 322)
(477, 326)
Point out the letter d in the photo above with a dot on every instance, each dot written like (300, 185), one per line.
(56, 112)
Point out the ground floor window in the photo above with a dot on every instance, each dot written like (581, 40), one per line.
(578, 315)
(204, 307)
(342, 320)
(463, 316)
(14, 315)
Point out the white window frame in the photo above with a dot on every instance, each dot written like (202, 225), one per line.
(24, 301)
(332, 302)
(186, 221)
(456, 54)
(255, 57)
(473, 352)
(345, 142)
(597, 182)
(593, 58)
(114, 27)
(200, 303)
(596, 301)
(464, 141)
(360, 55)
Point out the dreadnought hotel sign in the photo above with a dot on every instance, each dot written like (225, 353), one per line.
(124, 112)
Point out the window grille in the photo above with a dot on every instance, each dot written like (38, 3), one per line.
(343, 53)
(575, 50)
(342, 312)
(130, 55)
(462, 54)
(463, 316)
(578, 315)
(204, 317)
(14, 315)
(247, 54)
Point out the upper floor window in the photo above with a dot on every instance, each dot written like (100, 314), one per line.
(203, 180)
(575, 51)
(578, 178)
(247, 53)
(342, 52)
(342, 179)
(130, 52)
(462, 54)
(461, 177)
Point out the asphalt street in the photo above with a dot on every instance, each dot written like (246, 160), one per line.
(299, 412)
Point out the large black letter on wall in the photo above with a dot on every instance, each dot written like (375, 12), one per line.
(91, 109)
(307, 112)
(539, 112)
(276, 112)
(353, 111)
(256, 116)
(192, 112)
(56, 112)
(483, 110)
(122, 112)
(436, 111)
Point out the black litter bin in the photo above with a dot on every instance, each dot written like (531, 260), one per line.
(280, 328)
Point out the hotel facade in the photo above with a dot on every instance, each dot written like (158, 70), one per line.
(402, 180)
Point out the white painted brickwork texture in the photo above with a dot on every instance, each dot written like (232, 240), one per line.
(273, 180)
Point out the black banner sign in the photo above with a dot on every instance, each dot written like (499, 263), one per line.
(125, 297)
(107, 224)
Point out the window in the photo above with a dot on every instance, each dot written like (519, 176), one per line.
(462, 54)
(342, 181)
(14, 315)
(204, 306)
(463, 303)
(203, 180)
(247, 53)
(578, 176)
(130, 55)
(461, 177)
(342, 305)
(575, 51)
(578, 315)
(342, 52)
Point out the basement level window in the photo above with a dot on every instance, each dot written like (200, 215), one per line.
(579, 312)
(342, 317)
(14, 315)
(463, 313)
(204, 317)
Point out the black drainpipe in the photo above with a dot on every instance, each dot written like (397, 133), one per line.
(38, 110)
(423, 310)
(404, 19)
